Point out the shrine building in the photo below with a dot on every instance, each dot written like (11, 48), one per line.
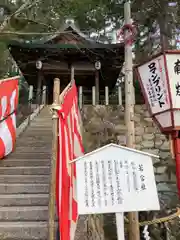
(40, 61)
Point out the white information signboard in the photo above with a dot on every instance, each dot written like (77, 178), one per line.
(115, 179)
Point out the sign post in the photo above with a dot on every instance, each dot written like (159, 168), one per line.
(116, 179)
(120, 226)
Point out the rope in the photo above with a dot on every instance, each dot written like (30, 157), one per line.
(131, 29)
(159, 220)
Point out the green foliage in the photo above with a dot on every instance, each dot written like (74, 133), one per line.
(148, 18)
(3, 59)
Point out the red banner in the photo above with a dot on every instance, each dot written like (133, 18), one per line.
(8, 105)
(70, 147)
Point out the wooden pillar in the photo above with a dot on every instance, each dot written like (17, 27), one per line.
(97, 86)
(119, 96)
(93, 95)
(44, 95)
(80, 97)
(52, 195)
(30, 92)
(106, 95)
(72, 73)
(39, 87)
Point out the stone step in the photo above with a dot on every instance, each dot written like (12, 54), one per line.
(45, 119)
(21, 213)
(30, 155)
(41, 122)
(24, 183)
(46, 114)
(40, 125)
(35, 138)
(24, 179)
(33, 144)
(25, 149)
(24, 170)
(23, 230)
(24, 162)
(22, 188)
(40, 128)
(39, 132)
(36, 134)
(24, 200)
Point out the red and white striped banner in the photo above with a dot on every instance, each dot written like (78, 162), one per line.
(8, 105)
(69, 147)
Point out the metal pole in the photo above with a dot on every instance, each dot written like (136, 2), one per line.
(177, 158)
(52, 194)
(134, 233)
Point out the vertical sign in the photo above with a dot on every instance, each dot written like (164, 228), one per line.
(154, 81)
(173, 66)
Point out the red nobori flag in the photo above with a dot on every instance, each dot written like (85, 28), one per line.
(69, 147)
(8, 105)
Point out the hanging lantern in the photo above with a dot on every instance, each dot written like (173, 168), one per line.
(160, 83)
(98, 65)
(39, 65)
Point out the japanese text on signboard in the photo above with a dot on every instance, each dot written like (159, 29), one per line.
(105, 181)
(156, 90)
(177, 72)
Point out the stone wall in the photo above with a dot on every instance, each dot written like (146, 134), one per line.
(105, 124)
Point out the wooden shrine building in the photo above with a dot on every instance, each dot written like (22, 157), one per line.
(58, 53)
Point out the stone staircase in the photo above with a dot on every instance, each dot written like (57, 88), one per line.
(24, 183)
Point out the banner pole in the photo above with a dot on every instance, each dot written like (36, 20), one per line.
(52, 193)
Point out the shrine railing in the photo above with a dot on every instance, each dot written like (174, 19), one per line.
(28, 103)
(102, 97)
